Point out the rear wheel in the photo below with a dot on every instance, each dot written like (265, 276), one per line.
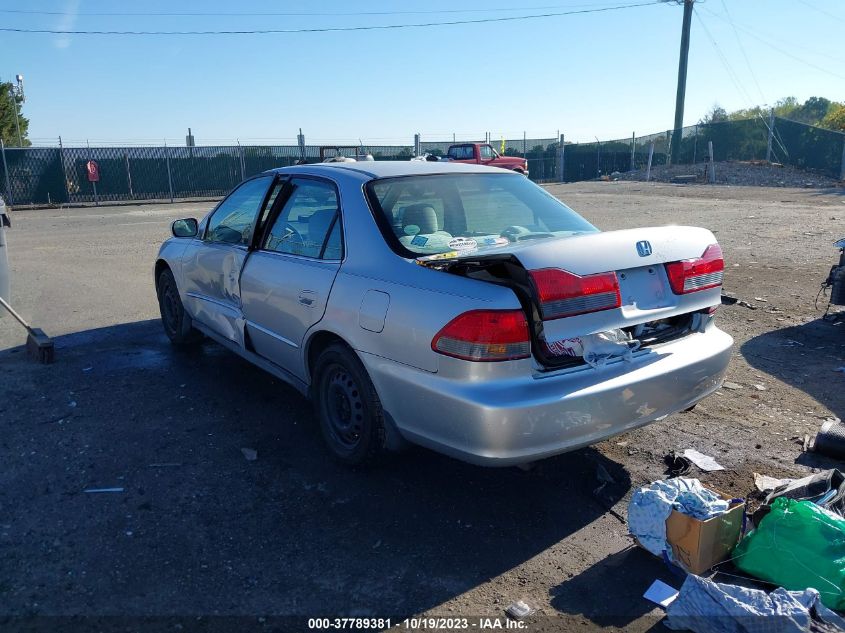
(348, 407)
(177, 324)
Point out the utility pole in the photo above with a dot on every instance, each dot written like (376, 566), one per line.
(682, 81)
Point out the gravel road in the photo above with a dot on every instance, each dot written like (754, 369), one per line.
(198, 530)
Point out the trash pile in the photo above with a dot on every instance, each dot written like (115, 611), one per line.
(795, 542)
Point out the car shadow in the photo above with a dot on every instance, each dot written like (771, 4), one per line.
(194, 526)
(806, 357)
(621, 572)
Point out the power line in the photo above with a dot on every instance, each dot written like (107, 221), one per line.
(737, 82)
(742, 50)
(287, 13)
(822, 11)
(333, 29)
(750, 33)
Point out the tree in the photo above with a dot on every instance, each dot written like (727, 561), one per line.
(812, 111)
(716, 114)
(835, 118)
(9, 104)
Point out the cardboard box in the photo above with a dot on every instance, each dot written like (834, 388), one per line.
(698, 545)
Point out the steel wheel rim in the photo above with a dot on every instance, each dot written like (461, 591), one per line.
(170, 307)
(344, 407)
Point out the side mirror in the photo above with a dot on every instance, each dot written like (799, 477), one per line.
(187, 227)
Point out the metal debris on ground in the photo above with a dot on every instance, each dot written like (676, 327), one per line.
(745, 304)
(764, 483)
(759, 387)
(518, 610)
(676, 464)
(95, 490)
(830, 440)
(704, 462)
(250, 454)
(604, 478)
(731, 385)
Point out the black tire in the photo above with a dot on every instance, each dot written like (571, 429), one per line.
(177, 324)
(348, 407)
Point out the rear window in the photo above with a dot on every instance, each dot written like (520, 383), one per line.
(427, 215)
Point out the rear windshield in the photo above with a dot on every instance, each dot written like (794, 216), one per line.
(434, 214)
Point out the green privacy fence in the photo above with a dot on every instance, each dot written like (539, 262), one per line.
(57, 175)
(803, 146)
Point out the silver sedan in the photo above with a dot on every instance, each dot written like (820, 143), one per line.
(458, 307)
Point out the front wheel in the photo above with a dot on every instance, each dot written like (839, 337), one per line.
(177, 324)
(348, 407)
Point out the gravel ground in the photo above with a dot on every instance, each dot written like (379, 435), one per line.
(200, 531)
(744, 173)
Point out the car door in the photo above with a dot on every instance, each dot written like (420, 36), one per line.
(286, 282)
(212, 265)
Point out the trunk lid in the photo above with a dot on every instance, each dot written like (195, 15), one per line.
(636, 256)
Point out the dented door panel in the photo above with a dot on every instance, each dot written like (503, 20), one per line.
(211, 274)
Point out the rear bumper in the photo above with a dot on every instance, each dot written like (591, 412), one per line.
(513, 420)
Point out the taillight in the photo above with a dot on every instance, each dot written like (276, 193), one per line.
(701, 273)
(485, 335)
(562, 293)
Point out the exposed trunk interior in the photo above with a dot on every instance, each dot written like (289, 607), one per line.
(506, 270)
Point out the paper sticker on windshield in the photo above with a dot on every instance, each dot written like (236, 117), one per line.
(446, 255)
(462, 243)
(494, 241)
(419, 240)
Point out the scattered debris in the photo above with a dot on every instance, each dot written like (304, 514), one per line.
(518, 610)
(795, 544)
(250, 454)
(830, 440)
(760, 387)
(676, 465)
(94, 490)
(791, 343)
(704, 606)
(164, 465)
(704, 462)
(764, 483)
(661, 594)
(761, 299)
(604, 478)
(731, 385)
(745, 304)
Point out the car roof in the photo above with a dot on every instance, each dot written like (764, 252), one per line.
(391, 168)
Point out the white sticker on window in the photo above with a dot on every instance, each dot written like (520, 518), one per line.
(462, 243)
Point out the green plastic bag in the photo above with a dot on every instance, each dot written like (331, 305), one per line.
(798, 545)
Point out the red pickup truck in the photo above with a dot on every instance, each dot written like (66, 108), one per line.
(484, 154)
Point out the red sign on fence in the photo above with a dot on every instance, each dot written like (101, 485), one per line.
(93, 170)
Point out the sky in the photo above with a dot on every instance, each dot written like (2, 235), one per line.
(605, 74)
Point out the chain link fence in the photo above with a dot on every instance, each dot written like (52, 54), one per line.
(58, 175)
(777, 140)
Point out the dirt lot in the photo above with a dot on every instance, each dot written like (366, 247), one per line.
(200, 531)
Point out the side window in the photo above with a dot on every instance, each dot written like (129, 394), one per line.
(234, 219)
(304, 222)
(487, 152)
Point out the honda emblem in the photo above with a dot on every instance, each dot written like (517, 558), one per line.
(644, 248)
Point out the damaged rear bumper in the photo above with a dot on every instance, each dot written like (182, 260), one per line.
(502, 421)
